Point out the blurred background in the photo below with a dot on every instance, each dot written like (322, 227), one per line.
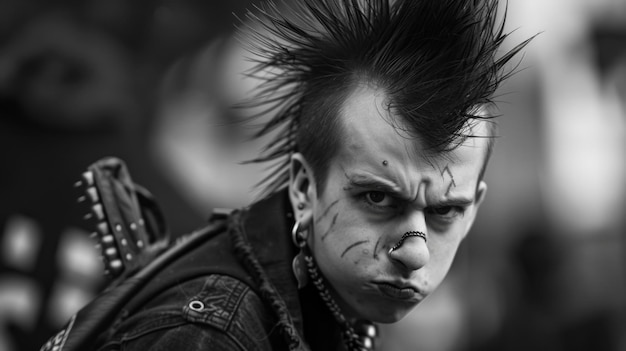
(151, 82)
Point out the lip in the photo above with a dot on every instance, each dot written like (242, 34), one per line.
(400, 292)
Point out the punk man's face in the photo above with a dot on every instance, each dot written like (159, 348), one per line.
(386, 226)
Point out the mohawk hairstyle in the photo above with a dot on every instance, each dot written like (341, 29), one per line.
(435, 59)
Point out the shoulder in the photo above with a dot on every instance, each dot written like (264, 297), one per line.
(218, 312)
(221, 302)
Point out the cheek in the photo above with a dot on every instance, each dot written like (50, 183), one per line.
(333, 223)
(341, 245)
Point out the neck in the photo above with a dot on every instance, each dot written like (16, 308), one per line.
(321, 330)
(361, 338)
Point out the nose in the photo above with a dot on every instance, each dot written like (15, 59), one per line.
(412, 253)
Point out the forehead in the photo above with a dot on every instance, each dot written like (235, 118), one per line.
(373, 134)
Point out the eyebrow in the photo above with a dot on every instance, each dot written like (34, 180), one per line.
(460, 200)
(379, 184)
(391, 188)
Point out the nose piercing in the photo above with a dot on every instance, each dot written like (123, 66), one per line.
(406, 235)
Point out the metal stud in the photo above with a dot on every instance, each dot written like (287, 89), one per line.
(87, 216)
(123, 242)
(78, 184)
(116, 265)
(133, 226)
(129, 257)
(81, 199)
(365, 328)
(366, 342)
(139, 243)
(107, 239)
(88, 178)
(93, 194)
(98, 210)
(110, 252)
(118, 227)
(103, 228)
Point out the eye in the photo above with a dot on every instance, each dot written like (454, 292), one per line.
(445, 212)
(376, 196)
(379, 199)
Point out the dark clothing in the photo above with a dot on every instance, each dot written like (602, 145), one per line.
(235, 291)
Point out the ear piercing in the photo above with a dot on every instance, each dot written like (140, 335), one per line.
(406, 235)
(300, 206)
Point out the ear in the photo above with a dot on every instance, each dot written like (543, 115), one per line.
(302, 192)
(481, 191)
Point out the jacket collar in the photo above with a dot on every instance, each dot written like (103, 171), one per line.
(267, 229)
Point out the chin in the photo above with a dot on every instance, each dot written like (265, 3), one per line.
(387, 316)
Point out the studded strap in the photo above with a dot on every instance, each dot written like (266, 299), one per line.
(129, 227)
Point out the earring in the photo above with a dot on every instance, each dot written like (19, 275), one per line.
(298, 265)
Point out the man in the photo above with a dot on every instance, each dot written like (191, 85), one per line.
(380, 138)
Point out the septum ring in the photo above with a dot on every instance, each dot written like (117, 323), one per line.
(406, 235)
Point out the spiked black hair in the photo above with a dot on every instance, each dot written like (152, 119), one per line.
(437, 61)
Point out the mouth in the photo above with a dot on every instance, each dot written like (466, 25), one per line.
(403, 293)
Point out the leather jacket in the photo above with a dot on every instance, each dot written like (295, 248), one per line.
(235, 291)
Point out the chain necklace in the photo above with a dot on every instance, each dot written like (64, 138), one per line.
(357, 336)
